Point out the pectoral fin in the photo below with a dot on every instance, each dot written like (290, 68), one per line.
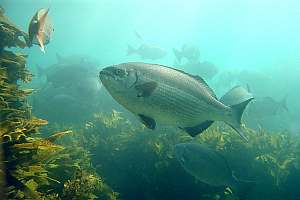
(145, 89)
(195, 130)
(147, 121)
(40, 39)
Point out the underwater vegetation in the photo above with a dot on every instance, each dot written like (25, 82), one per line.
(33, 166)
(110, 157)
(139, 163)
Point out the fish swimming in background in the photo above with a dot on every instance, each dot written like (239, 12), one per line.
(157, 93)
(190, 52)
(147, 51)
(72, 71)
(205, 164)
(40, 29)
(266, 106)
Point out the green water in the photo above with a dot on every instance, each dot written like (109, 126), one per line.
(250, 43)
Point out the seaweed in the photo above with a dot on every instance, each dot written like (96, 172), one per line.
(126, 151)
(10, 35)
(86, 185)
(34, 166)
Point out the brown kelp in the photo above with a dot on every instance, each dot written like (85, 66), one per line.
(267, 166)
(10, 34)
(23, 173)
(32, 166)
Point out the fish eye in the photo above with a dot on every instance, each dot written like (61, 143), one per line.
(120, 72)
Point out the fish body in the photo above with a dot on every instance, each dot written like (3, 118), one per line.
(40, 29)
(162, 94)
(147, 51)
(267, 106)
(71, 89)
(76, 59)
(90, 87)
(205, 164)
(190, 52)
(64, 74)
(71, 71)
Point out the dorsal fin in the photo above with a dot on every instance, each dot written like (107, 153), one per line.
(202, 81)
(197, 78)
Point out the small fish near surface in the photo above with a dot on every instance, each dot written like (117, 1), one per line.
(40, 29)
(205, 164)
(157, 93)
(147, 51)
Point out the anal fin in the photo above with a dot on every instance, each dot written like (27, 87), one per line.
(147, 121)
(195, 130)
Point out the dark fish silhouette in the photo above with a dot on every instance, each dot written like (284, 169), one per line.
(190, 52)
(147, 51)
(205, 164)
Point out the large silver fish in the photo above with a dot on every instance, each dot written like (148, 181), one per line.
(205, 164)
(40, 29)
(162, 94)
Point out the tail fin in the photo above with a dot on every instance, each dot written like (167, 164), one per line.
(283, 105)
(236, 122)
(130, 50)
(237, 99)
(177, 54)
